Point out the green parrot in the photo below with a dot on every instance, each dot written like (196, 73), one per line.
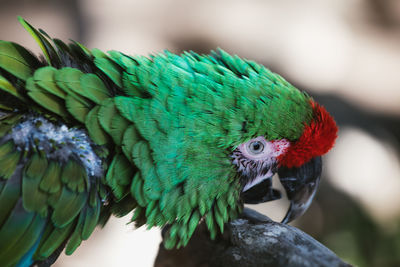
(177, 139)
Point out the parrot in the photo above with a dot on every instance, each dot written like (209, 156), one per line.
(176, 139)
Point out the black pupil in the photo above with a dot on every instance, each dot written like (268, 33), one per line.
(256, 146)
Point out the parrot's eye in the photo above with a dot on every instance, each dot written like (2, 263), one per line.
(255, 147)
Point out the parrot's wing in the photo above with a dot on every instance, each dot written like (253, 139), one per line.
(44, 203)
(49, 201)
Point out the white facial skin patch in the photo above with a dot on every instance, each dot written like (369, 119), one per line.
(272, 149)
(257, 157)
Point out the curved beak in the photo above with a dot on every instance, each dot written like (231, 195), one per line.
(300, 185)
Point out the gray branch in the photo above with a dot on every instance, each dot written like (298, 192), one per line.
(252, 240)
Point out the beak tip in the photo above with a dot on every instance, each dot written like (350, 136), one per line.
(291, 214)
(300, 185)
(285, 220)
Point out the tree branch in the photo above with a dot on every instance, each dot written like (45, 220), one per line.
(252, 240)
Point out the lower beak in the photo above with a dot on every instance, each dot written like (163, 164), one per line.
(300, 185)
(260, 193)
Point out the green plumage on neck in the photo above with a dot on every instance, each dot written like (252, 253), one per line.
(164, 126)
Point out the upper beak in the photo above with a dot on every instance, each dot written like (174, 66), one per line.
(300, 185)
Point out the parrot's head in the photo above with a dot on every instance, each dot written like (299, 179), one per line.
(297, 162)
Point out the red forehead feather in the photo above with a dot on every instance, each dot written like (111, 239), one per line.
(317, 138)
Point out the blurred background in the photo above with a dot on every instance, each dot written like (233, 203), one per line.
(345, 53)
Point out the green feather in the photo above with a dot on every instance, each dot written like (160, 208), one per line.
(51, 181)
(47, 49)
(6, 148)
(79, 107)
(219, 219)
(111, 121)
(49, 101)
(83, 48)
(74, 176)
(123, 171)
(107, 113)
(8, 164)
(93, 196)
(151, 218)
(14, 227)
(130, 138)
(91, 219)
(131, 85)
(153, 214)
(169, 201)
(17, 60)
(194, 221)
(2, 185)
(150, 207)
(222, 205)
(7, 87)
(187, 215)
(23, 243)
(9, 196)
(75, 240)
(67, 207)
(211, 226)
(119, 175)
(68, 79)
(93, 88)
(142, 157)
(183, 209)
(98, 54)
(34, 199)
(44, 78)
(193, 200)
(4, 108)
(126, 106)
(170, 239)
(137, 212)
(96, 133)
(117, 128)
(112, 70)
(7, 123)
(124, 61)
(137, 190)
(36, 167)
(109, 67)
(53, 239)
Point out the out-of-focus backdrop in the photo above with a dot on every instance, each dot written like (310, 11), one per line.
(346, 53)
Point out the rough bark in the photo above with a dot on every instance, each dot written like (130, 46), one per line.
(252, 240)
